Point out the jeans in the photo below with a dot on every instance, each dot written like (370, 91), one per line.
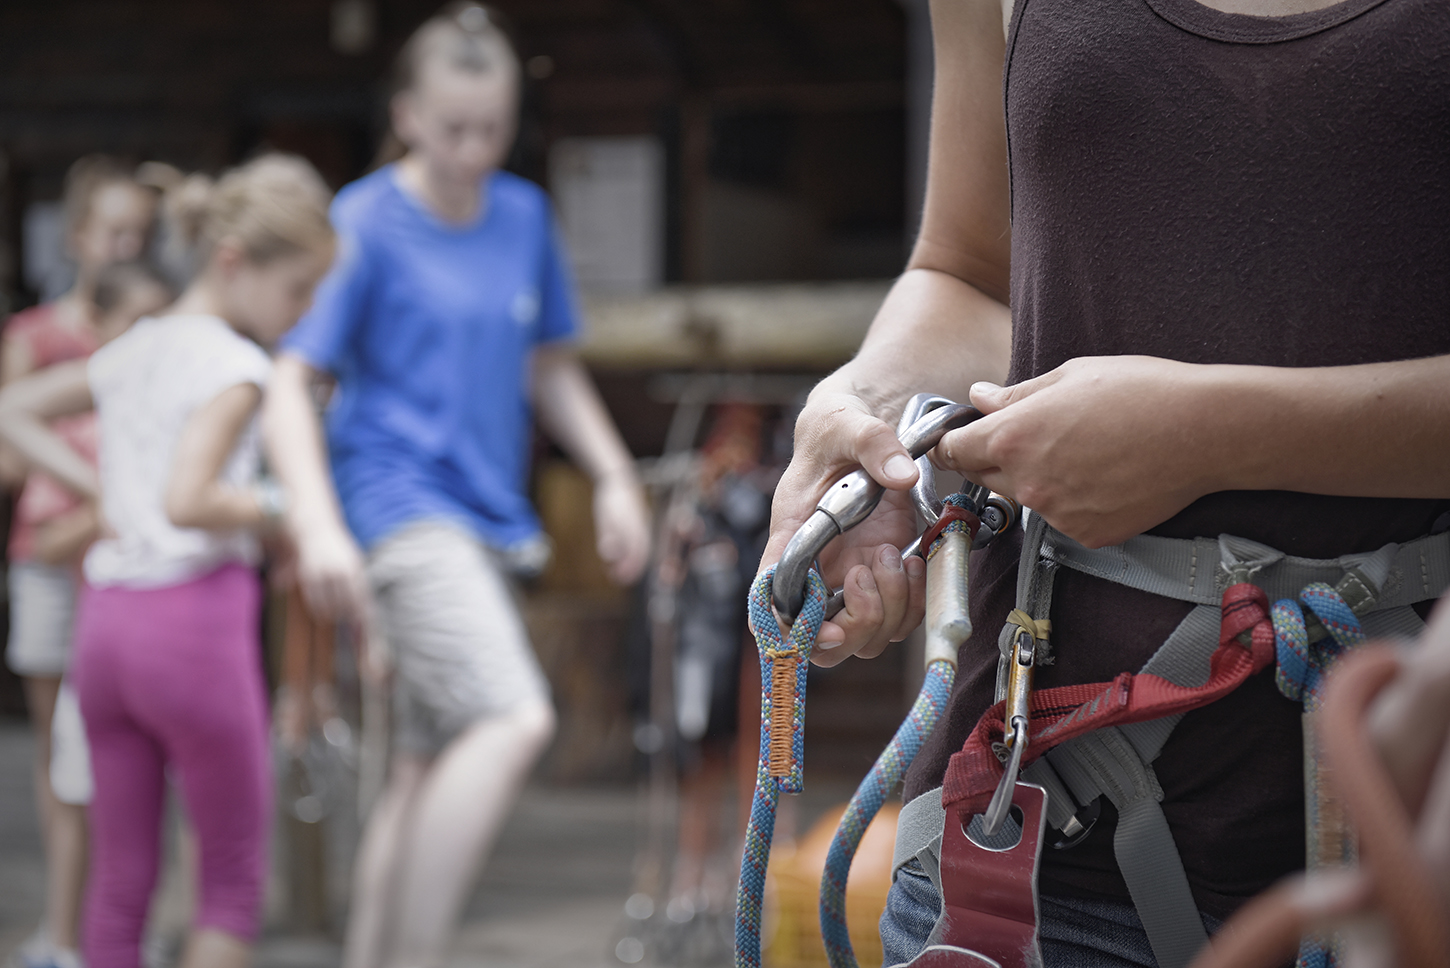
(1073, 933)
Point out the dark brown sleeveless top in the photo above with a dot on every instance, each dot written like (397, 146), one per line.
(1215, 188)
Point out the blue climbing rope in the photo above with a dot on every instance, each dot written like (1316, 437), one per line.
(1300, 675)
(888, 770)
(1301, 666)
(796, 647)
(879, 784)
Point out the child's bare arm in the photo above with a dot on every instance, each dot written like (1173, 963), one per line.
(195, 497)
(63, 538)
(16, 362)
(329, 563)
(572, 414)
(27, 404)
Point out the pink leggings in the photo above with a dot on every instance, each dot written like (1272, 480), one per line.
(170, 679)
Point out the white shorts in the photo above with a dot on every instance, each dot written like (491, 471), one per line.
(42, 616)
(460, 650)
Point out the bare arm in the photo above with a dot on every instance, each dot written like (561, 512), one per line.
(330, 564)
(195, 496)
(570, 411)
(63, 538)
(944, 325)
(26, 405)
(1108, 447)
(16, 362)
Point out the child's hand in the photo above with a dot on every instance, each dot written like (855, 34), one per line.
(330, 570)
(621, 526)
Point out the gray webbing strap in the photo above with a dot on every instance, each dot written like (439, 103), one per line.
(1113, 762)
(1034, 596)
(1105, 761)
(918, 836)
(1195, 571)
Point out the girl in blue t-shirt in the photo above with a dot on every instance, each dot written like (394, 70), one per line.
(447, 322)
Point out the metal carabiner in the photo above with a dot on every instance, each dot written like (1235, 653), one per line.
(850, 501)
(1019, 694)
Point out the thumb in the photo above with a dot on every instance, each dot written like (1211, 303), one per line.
(880, 452)
(989, 397)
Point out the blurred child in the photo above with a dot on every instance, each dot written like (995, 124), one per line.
(448, 320)
(63, 525)
(167, 663)
(108, 219)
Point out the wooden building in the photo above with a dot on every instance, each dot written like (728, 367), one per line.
(782, 130)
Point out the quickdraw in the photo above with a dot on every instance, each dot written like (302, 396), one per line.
(792, 595)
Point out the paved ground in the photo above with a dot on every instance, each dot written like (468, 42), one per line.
(552, 897)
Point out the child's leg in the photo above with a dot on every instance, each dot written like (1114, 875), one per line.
(211, 712)
(42, 601)
(375, 872)
(463, 802)
(125, 820)
(473, 694)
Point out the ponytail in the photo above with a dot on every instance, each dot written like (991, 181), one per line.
(272, 206)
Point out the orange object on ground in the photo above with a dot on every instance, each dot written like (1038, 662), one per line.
(793, 893)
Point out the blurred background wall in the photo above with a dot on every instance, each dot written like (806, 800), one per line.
(775, 131)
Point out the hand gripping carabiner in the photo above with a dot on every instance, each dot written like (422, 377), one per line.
(849, 502)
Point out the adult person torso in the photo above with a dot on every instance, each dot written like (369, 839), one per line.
(1210, 187)
(429, 327)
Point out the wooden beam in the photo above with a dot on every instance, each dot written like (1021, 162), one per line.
(809, 326)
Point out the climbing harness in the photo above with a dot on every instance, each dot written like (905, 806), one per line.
(792, 594)
(1039, 762)
(1099, 740)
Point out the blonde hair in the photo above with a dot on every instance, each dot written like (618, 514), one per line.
(85, 179)
(273, 206)
(465, 36)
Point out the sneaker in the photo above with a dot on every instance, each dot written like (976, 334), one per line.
(39, 952)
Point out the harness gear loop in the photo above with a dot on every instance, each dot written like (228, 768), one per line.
(1076, 755)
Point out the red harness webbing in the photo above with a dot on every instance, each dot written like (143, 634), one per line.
(1245, 646)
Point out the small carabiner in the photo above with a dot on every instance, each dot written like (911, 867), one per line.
(1001, 803)
(1019, 696)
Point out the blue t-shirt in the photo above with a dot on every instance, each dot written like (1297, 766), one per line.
(428, 328)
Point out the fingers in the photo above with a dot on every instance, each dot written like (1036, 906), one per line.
(828, 446)
(622, 528)
(989, 397)
(884, 600)
(626, 557)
